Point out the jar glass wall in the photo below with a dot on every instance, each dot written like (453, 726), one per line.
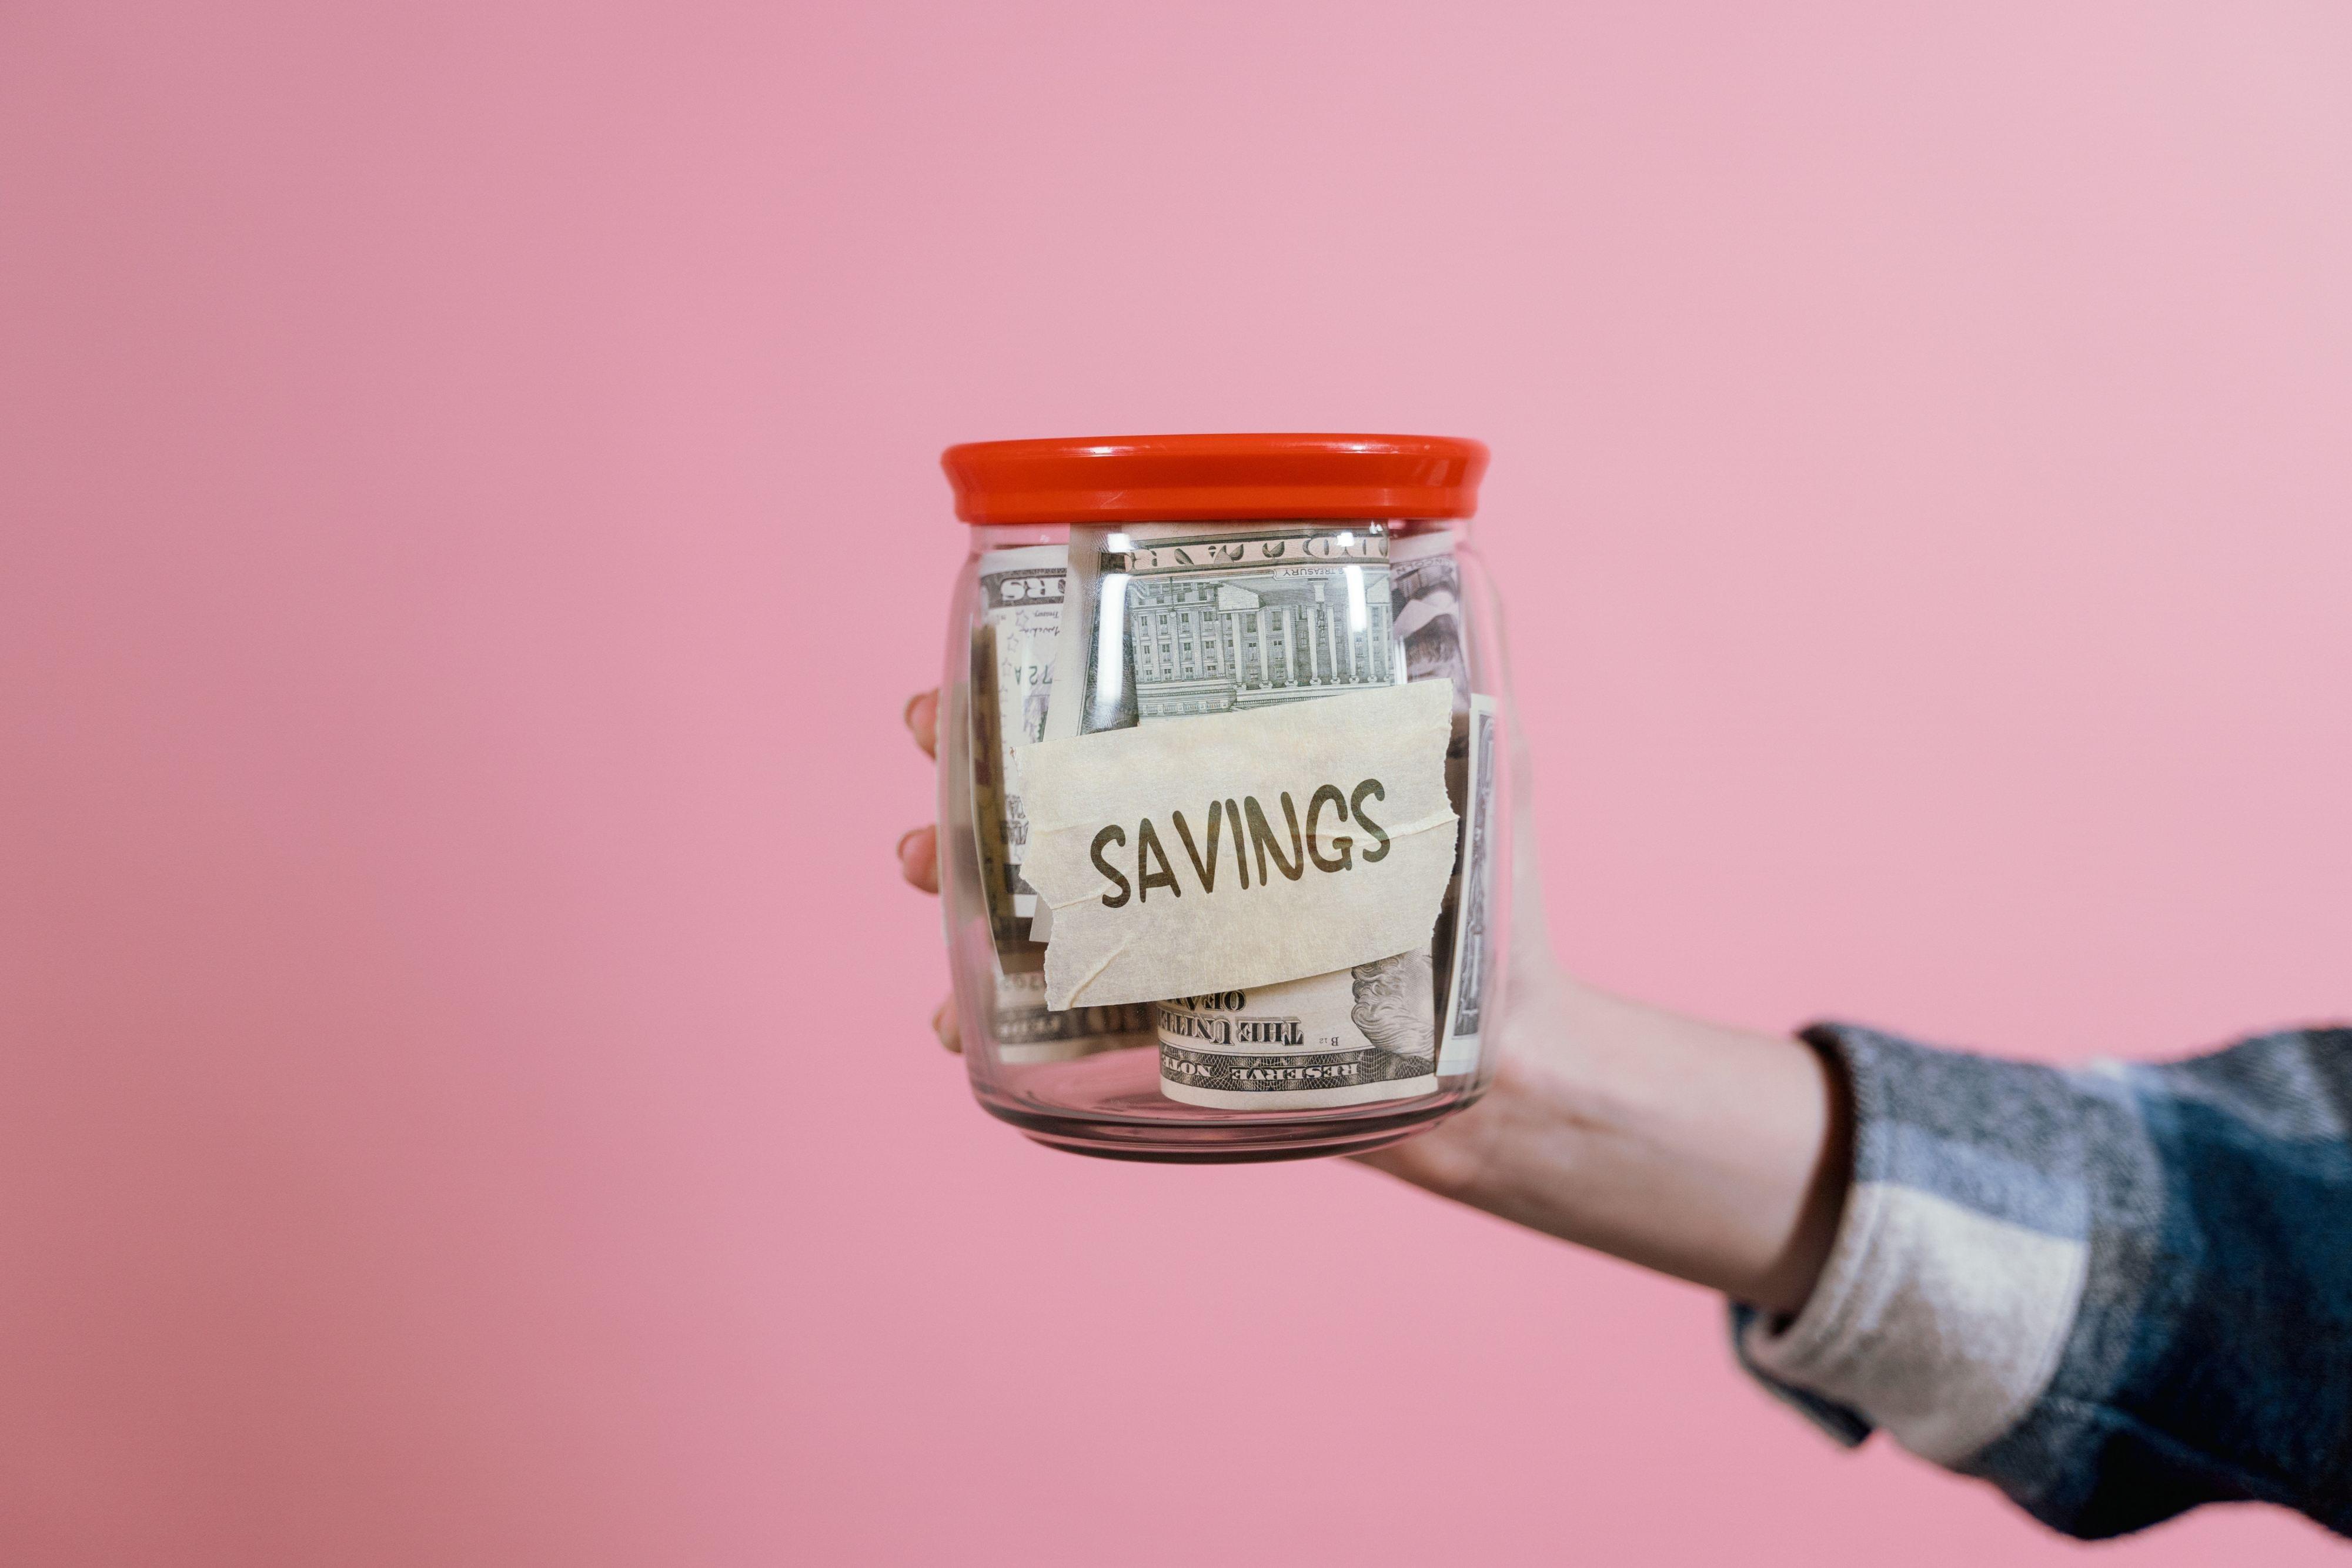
(1127, 1080)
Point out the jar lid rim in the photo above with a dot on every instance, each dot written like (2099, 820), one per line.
(1234, 477)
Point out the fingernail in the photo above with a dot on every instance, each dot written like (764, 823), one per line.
(906, 714)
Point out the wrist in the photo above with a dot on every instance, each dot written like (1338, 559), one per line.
(1712, 1153)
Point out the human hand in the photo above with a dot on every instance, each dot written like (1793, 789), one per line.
(919, 847)
(1450, 1158)
(1709, 1153)
(1716, 1154)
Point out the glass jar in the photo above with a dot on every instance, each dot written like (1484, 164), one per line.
(1340, 563)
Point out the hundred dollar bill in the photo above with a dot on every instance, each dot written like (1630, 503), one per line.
(1190, 620)
(1027, 1031)
(1425, 581)
(1013, 661)
(1466, 1003)
(1075, 659)
(1216, 621)
(1011, 687)
(1349, 1039)
(1425, 578)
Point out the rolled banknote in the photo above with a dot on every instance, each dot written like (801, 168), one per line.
(1361, 1035)
(1027, 1031)
(1012, 663)
(1469, 935)
(1013, 642)
(1425, 584)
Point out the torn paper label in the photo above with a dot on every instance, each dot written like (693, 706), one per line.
(1240, 849)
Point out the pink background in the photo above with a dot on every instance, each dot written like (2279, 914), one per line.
(468, 522)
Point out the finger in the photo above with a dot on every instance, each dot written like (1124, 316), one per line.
(922, 716)
(918, 857)
(943, 1024)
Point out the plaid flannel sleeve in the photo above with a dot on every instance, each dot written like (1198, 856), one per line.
(2116, 1292)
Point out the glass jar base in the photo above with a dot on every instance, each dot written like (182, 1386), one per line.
(1111, 1107)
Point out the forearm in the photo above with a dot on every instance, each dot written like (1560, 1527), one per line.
(1712, 1153)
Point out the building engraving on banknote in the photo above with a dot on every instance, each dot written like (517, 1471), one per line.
(1213, 623)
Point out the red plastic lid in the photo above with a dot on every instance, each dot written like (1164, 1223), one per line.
(1178, 478)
